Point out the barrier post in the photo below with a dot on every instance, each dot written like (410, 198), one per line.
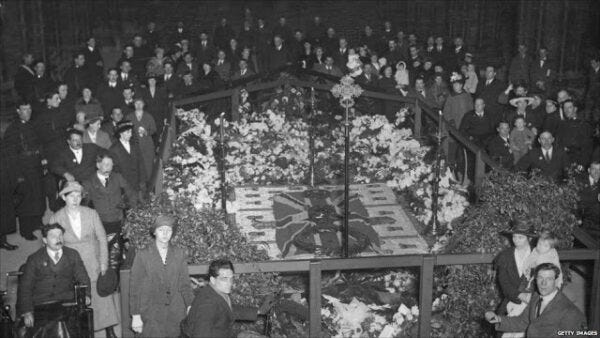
(315, 299)
(418, 119)
(479, 170)
(425, 296)
(125, 316)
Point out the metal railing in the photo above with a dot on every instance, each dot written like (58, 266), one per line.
(426, 263)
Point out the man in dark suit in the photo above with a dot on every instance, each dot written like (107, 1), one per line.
(41, 85)
(126, 78)
(222, 34)
(340, 56)
(575, 136)
(243, 71)
(499, 147)
(21, 144)
(205, 50)
(78, 76)
(542, 71)
(76, 161)
(110, 125)
(549, 312)
(328, 68)
(24, 77)
(170, 81)
(489, 90)
(110, 93)
(188, 65)
(369, 39)
(279, 54)
(316, 31)
(49, 276)
(477, 124)
(589, 202)
(550, 160)
(222, 66)
(93, 61)
(212, 313)
(128, 158)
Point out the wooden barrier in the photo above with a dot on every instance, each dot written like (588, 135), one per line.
(425, 262)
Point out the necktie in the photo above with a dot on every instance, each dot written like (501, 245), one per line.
(104, 180)
(547, 156)
(538, 307)
(56, 257)
(124, 77)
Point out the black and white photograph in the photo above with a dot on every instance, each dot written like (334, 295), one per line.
(299, 168)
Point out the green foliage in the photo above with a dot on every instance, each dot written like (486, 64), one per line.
(205, 237)
(472, 289)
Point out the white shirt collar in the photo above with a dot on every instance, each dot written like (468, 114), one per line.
(52, 253)
(547, 299)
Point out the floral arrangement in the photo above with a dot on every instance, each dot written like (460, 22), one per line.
(268, 148)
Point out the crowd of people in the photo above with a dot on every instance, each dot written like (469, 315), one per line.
(84, 145)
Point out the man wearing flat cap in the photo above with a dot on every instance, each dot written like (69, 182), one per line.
(128, 158)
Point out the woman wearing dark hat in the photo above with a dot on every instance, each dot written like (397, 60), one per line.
(84, 232)
(510, 264)
(162, 294)
(209, 79)
(552, 120)
(93, 133)
(144, 127)
(88, 104)
(128, 158)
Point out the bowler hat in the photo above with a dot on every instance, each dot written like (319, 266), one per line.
(107, 283)
(123, 126)
(519, 227)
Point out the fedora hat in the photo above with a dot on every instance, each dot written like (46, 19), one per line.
(107, 283)
(70, 187)
(516, 100)
(519, 227)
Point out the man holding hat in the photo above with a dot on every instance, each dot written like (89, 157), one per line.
(128, 158)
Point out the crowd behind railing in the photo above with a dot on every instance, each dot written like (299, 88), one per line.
(84, 146)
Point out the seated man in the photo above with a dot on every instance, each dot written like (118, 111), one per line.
(212, 314)
(589, 202)
(548, 313)
(49, 277)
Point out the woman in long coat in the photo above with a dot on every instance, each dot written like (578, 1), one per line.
(388, 84)
(162, 293)
(144, 128)
(510, 265)
(84, 232)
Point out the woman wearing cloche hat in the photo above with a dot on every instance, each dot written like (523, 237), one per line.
(162, 295)
(84, 232)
